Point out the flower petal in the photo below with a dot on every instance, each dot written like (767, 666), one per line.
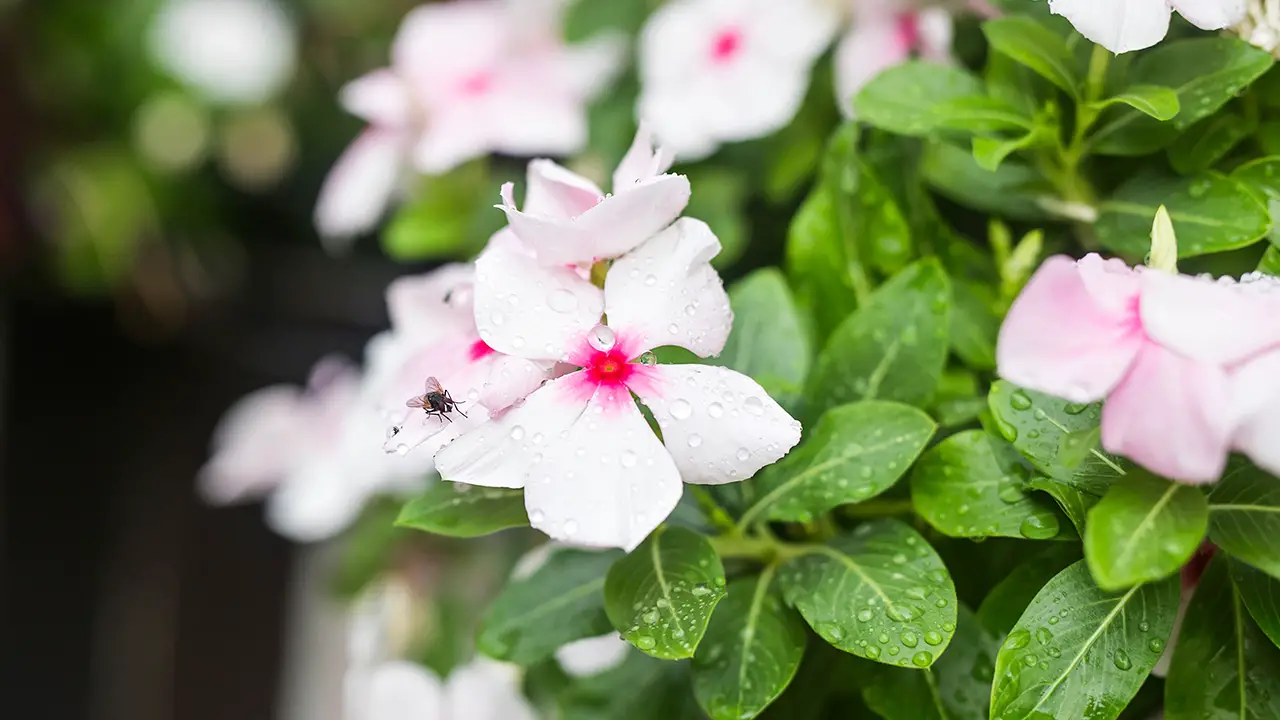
(1119, 26)
(379, 98)
(1057, 339)
(642, 161)
(511, 379)
(499, 453)
(402, 690)
(434, 306)
(719, 425)
(557, 192)
(454, 136)
(360, 186)
(527, 309)
(607, 481)
(665, 292)
(1112, 285)
(315, 502)
(1209, 321)
(1255, 393)
(257, 441)
(591, 656)
(486, 690)
(1211, 14)
(936, 30)
(1171, 415)
(872, 45)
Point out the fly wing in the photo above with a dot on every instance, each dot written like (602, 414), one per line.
(433, 385)
(419, 401)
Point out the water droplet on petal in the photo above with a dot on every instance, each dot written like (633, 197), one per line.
(673, 328)
(562, 301)
(402, 449)
(628, 459)
(601, 338)
(715, 410)
(570, 528)
(517, 432)
(754, 405)
(680, 409)
(648, 358)
(695, 441)
(743, 453)
(650, 280)
(535, 516)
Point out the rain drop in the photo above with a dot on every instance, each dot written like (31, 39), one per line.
(1017, 639)
(743, 453)
(517, 433)
(680, 409)
(1043, 636)
(922, 658)
(754, 405)
(535, 516)
(650, 618)
(933, 638)
(1156, 645)
(562, 301)
(601, 338)
(628, 459)
(865, 615)
(715, 410)
(650, 280)
(910, 639)
(570, 527)
(648, 358)
(1020, 400)
(402, 449)
(1121, 659)
(695, 440)
(673, 328)
(1039, 527)
(644, 642)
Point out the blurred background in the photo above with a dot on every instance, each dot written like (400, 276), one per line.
(160, 163)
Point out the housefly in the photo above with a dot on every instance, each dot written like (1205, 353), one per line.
(435, 401)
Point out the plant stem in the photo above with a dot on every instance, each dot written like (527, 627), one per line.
(719, 517)
(763, 549)
(878, 507)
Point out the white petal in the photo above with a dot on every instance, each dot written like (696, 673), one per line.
(316, 502)
(590, 656)
(1209, 321)
(486, 690)
(642, 161)
(589, 67)
(873, 45)
(454, 136)
(1255, 393)
(511, 379)
(558, 192)
(440, 44)
(1117, 25)
(401, 690)
(527, 309)
(380, 98)
(499, 453)
(608, 482)
(675, 118)
(793, 31)
(525, 124)
(1211, 14)
(433, 306)
(359, 187)
(937, 30)
(665, 292)
(256, 443)
(719, 425)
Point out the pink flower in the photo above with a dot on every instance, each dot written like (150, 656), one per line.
(433, 334)
(886, 34)
(1124, 25)
(1160, 347)
(466, 79)
(716, 71)
(593, 471)
(567, 220)
(312, 453)
(1255, 395)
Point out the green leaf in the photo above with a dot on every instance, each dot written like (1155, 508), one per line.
(1145, 528)
(1006, 602)
(1034, 46)
(1042, 427)
(906, 99)
(1244, 515)
(1223, 666)
(751, 651)
(969, 485)
(641, 688)
(1211, 213)
(1160, 103)
(560, 602)
(989, 152)
(458, 510)
(894, 348)
(1208, 141)
(878, 227)
(856, 452)
(585, 19)
(957, 687)
(1012, 190)
(816, 262)
(1261, 595)
(879, 592)
(1270, 262)
(450, 216)
(768, 341)
(660, 596)
(1205, 73)
(980, 114)
(974, 325)
(1079, 651)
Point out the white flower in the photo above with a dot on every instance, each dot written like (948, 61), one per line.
(886, 34)
(433, 334)
(314, 454)
(716, 71)
(466, 79)
(593, 471)
(1261, 25)
(232, 51)
(1124, 25)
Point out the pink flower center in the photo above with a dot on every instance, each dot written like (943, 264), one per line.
(476, 84)
(611, 368)
(726, 45)
(908, 31)
(480, 349)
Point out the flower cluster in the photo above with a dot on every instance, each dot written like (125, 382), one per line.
(1189, 366)
(1126, 25)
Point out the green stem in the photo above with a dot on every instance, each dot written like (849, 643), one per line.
(878, 507)
(763, 549)
(719, 517)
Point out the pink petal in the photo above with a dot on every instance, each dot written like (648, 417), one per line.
(360, 186)
(439, 45)
(1211, 14)
(435, 306)
(1058, 339)
(454, 136)
(665, 292)
(399, 690)
(719, 425)
(1255, 392)
(642, 161)
(872, 45)
(1209, 321)
(530, 310)
(608, 482)
(379, 98)
(255, 444)
(1112, 285)
(500, 453)
(1118, 26)
(1171, 415)
(557, 192)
